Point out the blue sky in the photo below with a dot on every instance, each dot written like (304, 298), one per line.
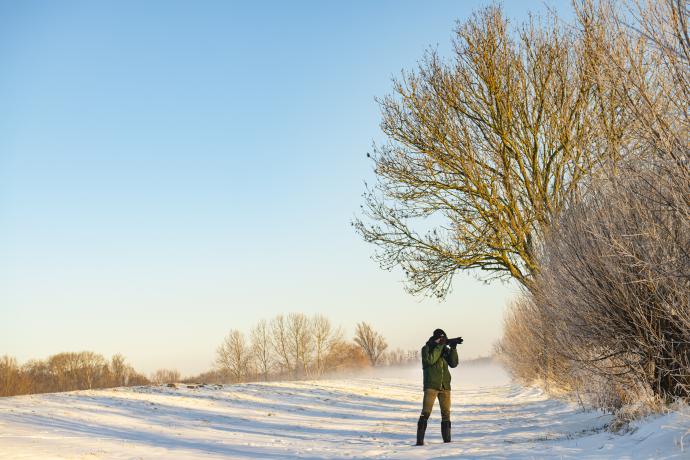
(172, 170)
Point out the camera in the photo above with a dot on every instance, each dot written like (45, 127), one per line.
(454, 342)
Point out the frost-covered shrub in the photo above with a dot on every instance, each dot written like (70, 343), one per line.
(615, 281)
(609, 317)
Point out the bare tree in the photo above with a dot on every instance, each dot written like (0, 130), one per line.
(119, 370)
(92, 369)
(233, 357)
(76, 370)
(280, 339)
(324, 337)
(261, 346)
(300, 343)
(63, 368)
(371, 342)
(485, 150)
(165, 376)
(39, 374)
(12, 380)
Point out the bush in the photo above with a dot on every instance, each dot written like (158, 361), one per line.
(615, 280)
(610, 313)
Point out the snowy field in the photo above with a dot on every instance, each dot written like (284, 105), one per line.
(363, 417)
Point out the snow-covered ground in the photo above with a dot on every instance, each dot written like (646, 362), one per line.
(370, 417)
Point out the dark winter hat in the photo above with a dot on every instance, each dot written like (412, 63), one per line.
(439, 333)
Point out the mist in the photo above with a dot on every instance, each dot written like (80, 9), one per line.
(470, 373)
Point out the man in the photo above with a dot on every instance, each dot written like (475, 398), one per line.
(437, 355)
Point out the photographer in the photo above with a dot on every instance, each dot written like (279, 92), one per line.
(437, 355)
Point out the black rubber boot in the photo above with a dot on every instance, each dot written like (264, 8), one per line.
(445, 431)
(421, 428)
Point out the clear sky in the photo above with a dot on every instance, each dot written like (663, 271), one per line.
(170, 170)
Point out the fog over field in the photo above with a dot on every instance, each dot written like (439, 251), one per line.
(472, 373)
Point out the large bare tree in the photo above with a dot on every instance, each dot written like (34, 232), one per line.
(610, 312)
(484, 150)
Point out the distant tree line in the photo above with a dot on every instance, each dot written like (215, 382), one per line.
(66, 372)
(292, 346)
(297, 346)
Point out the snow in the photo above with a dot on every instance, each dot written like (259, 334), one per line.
(371, 416)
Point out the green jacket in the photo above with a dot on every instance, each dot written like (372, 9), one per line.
(435, 362)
